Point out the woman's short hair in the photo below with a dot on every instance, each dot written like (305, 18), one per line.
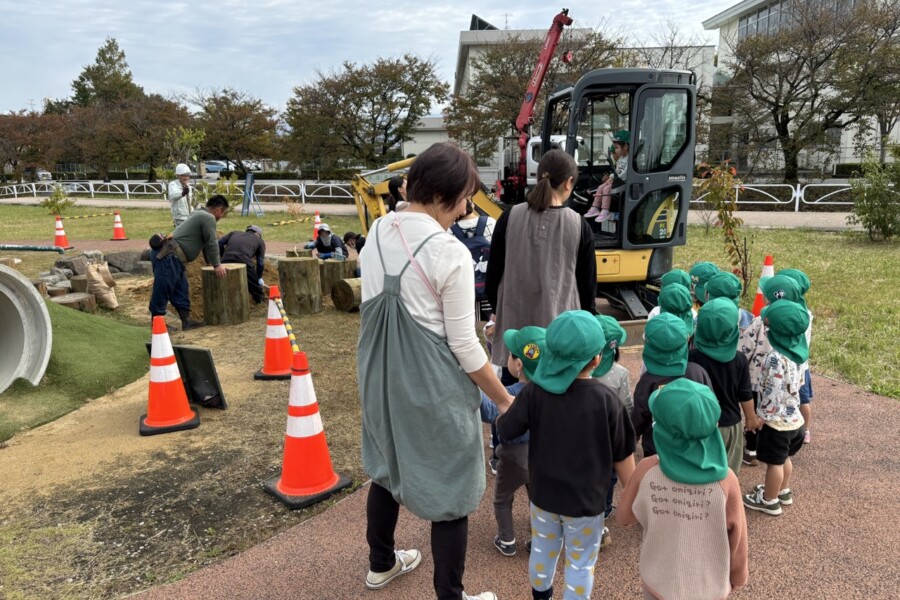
(444, 173)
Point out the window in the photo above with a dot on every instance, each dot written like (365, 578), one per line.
(662, 129)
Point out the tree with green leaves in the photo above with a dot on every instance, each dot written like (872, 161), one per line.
(183, 143)
(107, 80)
(362, 113)
(147, 119)
(237, 126)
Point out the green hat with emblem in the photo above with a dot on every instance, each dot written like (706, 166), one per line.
(786, 324)
(525, 344)
(573, 339)
(700, 273)
(615, 337)
(676, 300)
(781, 287)
(799, 276)
(686, 433)
(665, 345)
(717, 330)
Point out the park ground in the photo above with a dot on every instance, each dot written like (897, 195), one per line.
(89, 509)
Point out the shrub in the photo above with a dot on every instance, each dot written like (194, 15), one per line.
(876, 207)
(58, 202)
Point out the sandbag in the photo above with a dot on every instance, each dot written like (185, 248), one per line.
(106, 275)
(106, 296)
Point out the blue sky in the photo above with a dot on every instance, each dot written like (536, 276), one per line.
(266, 47)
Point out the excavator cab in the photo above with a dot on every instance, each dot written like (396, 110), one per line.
(654, 110)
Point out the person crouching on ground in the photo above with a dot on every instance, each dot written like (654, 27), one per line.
(329, 245)
(247, 248)
(512, 456)
(182, 246)
(579, 433)
(688, 501)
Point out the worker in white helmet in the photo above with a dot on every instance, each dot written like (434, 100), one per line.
(180, 194)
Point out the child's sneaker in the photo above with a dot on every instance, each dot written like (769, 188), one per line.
(493, 462)
(806, 437)
(528, 546)
(786, 497)
(481, 596)
(749, 458)
(407, 560)
(593, 212)
(505, 548)
(605, 538)
(604, 215)
(755, 501)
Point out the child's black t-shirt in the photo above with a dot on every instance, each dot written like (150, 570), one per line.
(730, 382)
(575, 438)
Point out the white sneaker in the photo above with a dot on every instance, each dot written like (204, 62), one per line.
(481, 596)
(593, 212)
(407, 560)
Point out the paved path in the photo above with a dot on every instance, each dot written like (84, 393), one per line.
(807, 220)
(840, 539)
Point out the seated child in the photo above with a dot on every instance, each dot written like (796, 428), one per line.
(603, 195)
(687, 500)
(512, 456)
(579, 433)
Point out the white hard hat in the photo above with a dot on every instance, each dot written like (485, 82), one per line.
(182, 169)
(324, 227)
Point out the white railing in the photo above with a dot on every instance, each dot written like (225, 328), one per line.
(782, 194)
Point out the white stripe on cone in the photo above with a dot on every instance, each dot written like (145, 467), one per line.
(302, 391)
(276, 332)
(303, 427)
(164, 373)
(161, 346)
(274, 313)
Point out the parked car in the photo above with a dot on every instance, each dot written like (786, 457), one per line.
(214, 166)
(33, 174)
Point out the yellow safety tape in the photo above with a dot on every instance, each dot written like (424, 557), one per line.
(295, 346)
(88, 216)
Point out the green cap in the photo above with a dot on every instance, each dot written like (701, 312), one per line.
(622, 136)
(665, 345)
(686, 434)
(799, 276)
(574, 338)
(717, 329)
(786, 324)
(724, 285)
(525, 344)
(700, 273)
(675, 276)
(781, 287)
(615, 337)
(676, 299)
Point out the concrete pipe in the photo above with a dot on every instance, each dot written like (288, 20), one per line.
(25, 333)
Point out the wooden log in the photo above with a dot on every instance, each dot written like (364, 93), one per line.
(226, 301)
(79, 283)
(299, 253)
(80, 300)
(54, 292)
(40, 285)
(301, 287)
(347, 294)
(331, 271)
(350, 268)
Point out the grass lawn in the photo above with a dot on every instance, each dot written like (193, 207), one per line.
(34, 223)
(92, 355)
(853, 297)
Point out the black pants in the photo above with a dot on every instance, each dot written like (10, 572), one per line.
(448, 543)
(751, 436)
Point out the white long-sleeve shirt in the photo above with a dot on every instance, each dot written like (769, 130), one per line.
(181, 205)
(448, 266)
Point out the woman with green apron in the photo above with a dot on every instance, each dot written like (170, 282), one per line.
(420, 365)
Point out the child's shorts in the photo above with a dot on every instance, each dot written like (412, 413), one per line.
(773, 446)
(806, 391)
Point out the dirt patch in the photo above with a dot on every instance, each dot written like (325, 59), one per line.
(122, 512)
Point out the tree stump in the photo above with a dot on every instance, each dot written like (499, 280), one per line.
(79, 283)
(80, 300)
(225, 301)
(299, 253)
(40, 285)
(301, 288)
(55, 292)
(347, 294)
(332, 271)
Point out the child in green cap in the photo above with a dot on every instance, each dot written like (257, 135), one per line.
(580, 433)
(727, 285)
(781, 434)
(618, 379)
(688, 501)
(701, 273)
(673, 277)
(512, 465)
(666, 359)
(806, 392)
(715, 349)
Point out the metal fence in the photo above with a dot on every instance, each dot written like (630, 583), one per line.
(785, 194)
(303, 191)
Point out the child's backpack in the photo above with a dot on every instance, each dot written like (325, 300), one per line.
(480, 248)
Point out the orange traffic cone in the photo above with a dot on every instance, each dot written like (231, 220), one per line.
(118, 230)
(316, 222)
(768, 270)
(61, 240)
(167, 405)
(306, 476)
(277, 357)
